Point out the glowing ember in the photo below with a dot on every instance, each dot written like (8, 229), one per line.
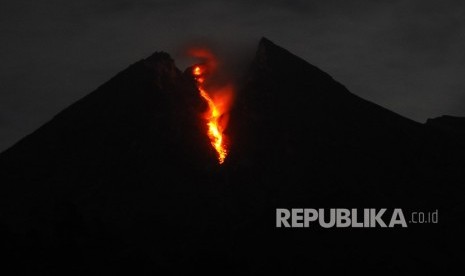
(212, 116)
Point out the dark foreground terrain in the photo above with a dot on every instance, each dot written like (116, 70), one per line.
(125, 182)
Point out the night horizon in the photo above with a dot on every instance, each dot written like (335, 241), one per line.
(405, 56)
(257, 139)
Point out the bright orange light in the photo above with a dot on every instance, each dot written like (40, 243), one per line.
(217, 107)
(197, 71)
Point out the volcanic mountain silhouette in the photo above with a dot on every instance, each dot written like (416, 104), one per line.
(125, 181)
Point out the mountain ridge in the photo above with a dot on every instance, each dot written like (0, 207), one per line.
(126, 181)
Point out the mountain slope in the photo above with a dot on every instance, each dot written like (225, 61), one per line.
(113, 161)
(290, 112)
(125, 181)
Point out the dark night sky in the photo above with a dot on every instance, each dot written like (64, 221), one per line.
(405, 55)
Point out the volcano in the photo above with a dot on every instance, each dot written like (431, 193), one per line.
(125, 181)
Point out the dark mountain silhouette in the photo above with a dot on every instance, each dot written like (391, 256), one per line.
(125, 181)
(448, 123)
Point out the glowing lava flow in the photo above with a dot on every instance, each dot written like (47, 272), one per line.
(215, 131)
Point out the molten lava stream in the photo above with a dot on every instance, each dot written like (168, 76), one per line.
(213, 115)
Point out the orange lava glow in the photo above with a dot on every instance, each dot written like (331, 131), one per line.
(218, 100)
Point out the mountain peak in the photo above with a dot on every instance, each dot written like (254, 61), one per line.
(164, 69)
(264, 42)
(126, 178)
(160, 60)
(285, 64)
